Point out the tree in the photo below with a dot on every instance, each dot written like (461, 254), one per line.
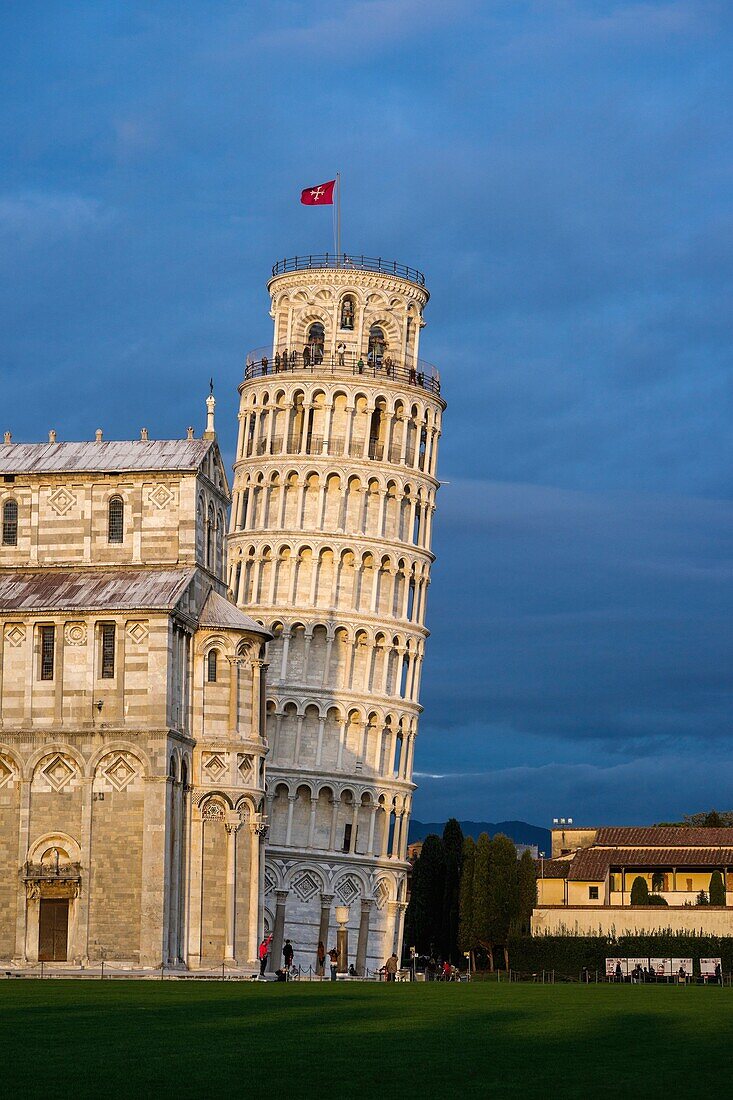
(453, 854)
(717, 889)
(713, 820)
(481, 928)
(657, 881)
(466, 935)
(503, 892)
(639, 891)
(527, 891)
(426, 896)
(702, 899)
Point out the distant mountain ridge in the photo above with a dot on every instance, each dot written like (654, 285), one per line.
(521, 832)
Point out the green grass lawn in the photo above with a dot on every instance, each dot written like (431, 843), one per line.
(208, 1039)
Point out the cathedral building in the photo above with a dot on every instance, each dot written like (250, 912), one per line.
(330, 549)
(132, 736)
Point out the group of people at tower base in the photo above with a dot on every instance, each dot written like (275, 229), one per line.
(286, 971)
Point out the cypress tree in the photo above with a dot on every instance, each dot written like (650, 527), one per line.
(717, 889)
(426, 896)
(481, 929)
(639, 891)
(453, 852)
(527, 890)
(503, 908)
(466, 935)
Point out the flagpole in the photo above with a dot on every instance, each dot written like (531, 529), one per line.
(338, 216)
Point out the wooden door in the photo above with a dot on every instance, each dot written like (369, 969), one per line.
(53, 929)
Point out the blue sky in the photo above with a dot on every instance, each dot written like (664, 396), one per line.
(562, 172)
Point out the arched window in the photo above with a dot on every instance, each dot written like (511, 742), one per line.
(316, 341)
(210, 530)
(377, 345)
(10, 523)
(348, 312)
(115, 520)
(211, 663)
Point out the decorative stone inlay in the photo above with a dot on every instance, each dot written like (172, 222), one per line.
(160, 496)
(244, 765)
(58, 772)
(14, 634)
(75, 633)
(137, 632)
(214, 764)
(348, 889)
(213, 811)
(61, 500)
(120, 771)
(270, 882)
(381, 893)
(305, 885)
(7, 772)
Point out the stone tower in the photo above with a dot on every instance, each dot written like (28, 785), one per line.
(334, 494)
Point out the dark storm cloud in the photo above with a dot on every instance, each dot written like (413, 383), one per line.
(562, 171)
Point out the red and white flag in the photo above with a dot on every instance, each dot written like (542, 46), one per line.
(322, 195)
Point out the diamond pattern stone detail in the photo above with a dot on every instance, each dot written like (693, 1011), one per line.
(58, 772)
(214, 764)
(244, 765)
(305, 885)
(160, 496)
(120, 772)
(137, 632)
(270, 882)
(15, 634)
(381, 894)
(6, 772)
(61, 500)
(348, 889)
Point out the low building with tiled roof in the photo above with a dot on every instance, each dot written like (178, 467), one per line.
(586, 886)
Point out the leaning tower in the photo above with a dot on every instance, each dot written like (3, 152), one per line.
(334, 494)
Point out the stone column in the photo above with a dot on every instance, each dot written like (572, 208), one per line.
(361, 945)
(81, 947)
(231, 890)
(153, 925)
(278, 932)
(326, 901)
(195, 889)
(255, 829)
(335, 803)
(389, 940)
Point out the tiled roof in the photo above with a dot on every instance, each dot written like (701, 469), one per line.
(221, 614)
(93, 589)
(592, 864)
(663, 836)
(553, 868)
(115, 456)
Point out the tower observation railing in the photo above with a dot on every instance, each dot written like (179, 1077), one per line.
(349, 262)
(266, 362)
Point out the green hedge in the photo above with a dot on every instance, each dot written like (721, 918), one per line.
(568, 955)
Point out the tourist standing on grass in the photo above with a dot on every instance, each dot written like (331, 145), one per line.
(333, 962)
(320, 959)
(390, 967)
(288, 954)
(619, 973)
(264, 954)
(718, 974)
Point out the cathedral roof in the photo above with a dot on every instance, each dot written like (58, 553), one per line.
(93, 589)
(114, 456)
(221, 614)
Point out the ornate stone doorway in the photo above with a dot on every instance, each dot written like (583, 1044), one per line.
(53, 929)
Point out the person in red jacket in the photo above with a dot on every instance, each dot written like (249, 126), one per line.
(264, 954)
